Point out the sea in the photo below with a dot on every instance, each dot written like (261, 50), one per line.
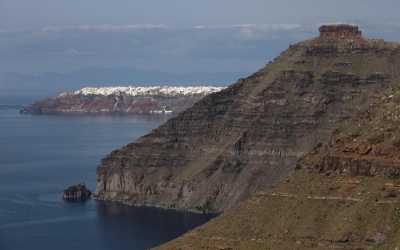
(41, 155)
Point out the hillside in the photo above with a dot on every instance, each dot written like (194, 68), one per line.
(154, 99)
(345, 194)
(235, 143)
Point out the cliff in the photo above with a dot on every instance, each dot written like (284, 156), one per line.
(122, 100)
(234, 143)
(369, 145)
(345, 194)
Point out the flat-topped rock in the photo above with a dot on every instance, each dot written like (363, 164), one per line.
(339, 30)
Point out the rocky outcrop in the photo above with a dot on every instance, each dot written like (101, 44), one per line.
(24, 111)
(122, 100)
(369, 145)
(77, 192)
(340, 30)
(234, 143)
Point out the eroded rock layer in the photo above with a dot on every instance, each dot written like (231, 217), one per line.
(345, 194)
(369, 145)
(236, 142)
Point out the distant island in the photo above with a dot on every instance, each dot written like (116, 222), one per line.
(53, 83)
(155, 99)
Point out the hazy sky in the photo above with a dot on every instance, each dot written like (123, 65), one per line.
(174, 36)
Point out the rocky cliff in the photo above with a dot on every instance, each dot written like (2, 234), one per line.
(122, 100)
(234, 143)
(345, 194)
(369, 145)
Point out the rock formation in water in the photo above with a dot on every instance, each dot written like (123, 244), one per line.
(122, 100)
(78, 191)
(345, 194)
(234, 143)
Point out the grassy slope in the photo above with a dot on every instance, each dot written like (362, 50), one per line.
(307, 210)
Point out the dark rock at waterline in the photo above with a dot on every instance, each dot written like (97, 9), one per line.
(76, 192)
(24, 111)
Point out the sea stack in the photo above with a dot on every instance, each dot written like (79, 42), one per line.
(79, 192)
(234, 143)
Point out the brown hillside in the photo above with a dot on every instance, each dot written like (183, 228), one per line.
(344, 195)
(307, 210)
(369, 145)
(236, 142)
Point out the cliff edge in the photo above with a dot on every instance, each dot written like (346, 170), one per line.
(234, 143)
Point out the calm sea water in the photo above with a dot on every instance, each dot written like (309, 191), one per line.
(42, 155)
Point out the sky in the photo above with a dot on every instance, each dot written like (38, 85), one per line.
(176, 36)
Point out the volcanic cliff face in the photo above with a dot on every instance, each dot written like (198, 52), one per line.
(368, 145)
(345, 194)
(236, 142)
(122, 100)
